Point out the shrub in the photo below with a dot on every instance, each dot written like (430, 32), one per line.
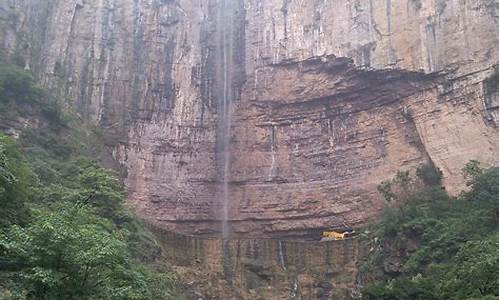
(448, 247)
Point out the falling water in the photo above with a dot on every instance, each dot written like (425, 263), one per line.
(281, 255)
(226, 48)
(272, 169)
(295, 289)
(295, 284)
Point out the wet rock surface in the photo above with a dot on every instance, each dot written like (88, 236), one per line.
(330, 98)
(264, 268)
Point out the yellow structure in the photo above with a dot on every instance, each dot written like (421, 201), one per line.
(335, 235)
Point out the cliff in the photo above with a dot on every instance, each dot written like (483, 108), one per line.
(292, 111)
(265, 268)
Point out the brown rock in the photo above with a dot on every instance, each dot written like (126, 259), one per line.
(330, 98)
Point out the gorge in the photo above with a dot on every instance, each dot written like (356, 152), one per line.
(267, 122)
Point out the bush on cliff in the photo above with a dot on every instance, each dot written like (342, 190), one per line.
(15, 180)
(21, 96)
(76, 240)
(433, 246)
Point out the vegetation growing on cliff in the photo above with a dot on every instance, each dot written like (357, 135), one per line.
(434, 246)
(64, 232)
(20, 96)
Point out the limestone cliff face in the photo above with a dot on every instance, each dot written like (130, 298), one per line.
(265, 268)
(329, 98)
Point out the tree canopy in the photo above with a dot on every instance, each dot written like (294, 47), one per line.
(433, 246)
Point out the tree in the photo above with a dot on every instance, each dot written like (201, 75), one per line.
(70, 253)
(475, 271)
(471, 171)
(483, 189)
(429, 174)
(103, 190)
(446, 247)
(17, 85)
(15, 179)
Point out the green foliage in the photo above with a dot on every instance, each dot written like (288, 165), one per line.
(385, 188)
(471, 171)
(417, 288)
(403, 186)
(475, 271)
(80, 242)
(70, 253)
(64, 231)
(483, 196)
(429, 174)
(61, 248)
(140, 241)
(447, 248)
(80, 179)
(20, 95)
(54, 145)
(102, 190)
(15, 180)
(18, 85)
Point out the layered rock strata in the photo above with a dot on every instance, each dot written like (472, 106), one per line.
(329, 99)
(264, 268)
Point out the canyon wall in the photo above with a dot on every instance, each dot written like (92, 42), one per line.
(329, 98)
(265, 268)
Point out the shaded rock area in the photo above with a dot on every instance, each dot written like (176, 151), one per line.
(330, 98)
(264, 268)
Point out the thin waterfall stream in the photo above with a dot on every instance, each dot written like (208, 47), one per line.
(281, 255)
(226, 44)
(281, 258)
(272, 169)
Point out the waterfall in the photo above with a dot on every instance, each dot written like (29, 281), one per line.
(273, 154)
(225, 21)
(281, 256)
(295, 289)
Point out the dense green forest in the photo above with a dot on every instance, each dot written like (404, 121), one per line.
(64, 232)
(430, 245)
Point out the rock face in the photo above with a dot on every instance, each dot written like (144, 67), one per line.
(265, 268)
(329, 98)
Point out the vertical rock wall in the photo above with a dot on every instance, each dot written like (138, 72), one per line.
(331, 97)
(427, 35)
(265, 268)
